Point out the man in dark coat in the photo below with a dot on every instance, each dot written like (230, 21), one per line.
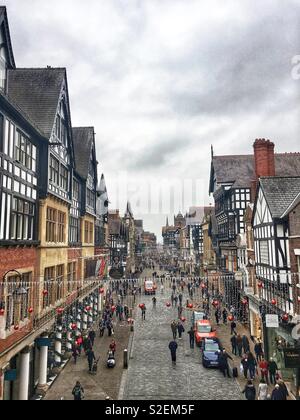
(91, 358)
(180, 330)
(246, 344)
(191, 333)
(277, 394)
(173, 346)
(224, 364)
(234, 345)
(92, 336)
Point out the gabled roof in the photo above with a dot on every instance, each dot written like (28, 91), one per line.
(281, 193)
(83, 139)
(239, 170)
(37, 93)
(4, 19)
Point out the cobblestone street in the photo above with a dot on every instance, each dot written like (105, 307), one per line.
(151, 375)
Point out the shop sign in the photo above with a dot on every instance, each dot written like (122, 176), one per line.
(43, 342)
(272, 321)
(292, 358)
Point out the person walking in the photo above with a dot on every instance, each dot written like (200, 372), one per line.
(283, 389)
(92, 336)
(244, 364)
(252, 365)
(224, 363)
(239, 343)
(258, 349)
(174, 328)
(75, 353)
(113, 347)
(264, 370)
(234, 345)
(144, 309)
(181, 330)
(217, 316)
(262, 391)
(91, 359)
(191, 334)
(273, 369)
(225, 316)
(78, 392)
(246, 344)
(250, 391)
(180, 297)
(154, 301)
(233, 328)
(277, 394)
(102, 328)
(173, 346)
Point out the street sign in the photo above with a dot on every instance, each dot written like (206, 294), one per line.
(272, 321)
(292, 358)
(10, 375)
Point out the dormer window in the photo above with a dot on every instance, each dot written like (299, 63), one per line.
(3, 60)
(61, 127)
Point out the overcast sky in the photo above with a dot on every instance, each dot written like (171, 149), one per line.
(162, 80)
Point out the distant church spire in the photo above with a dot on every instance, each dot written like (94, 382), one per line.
(167, 222)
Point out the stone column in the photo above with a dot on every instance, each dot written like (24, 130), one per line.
(95, 308)
(69, 338)
(91, 304)
(85, 320)
(100, 303)
(43, 373)
(24, 374)
(79, 314)
(58, 345)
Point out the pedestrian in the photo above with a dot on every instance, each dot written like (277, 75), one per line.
(173, 346)
(263, 391)
(91, 358)
(174, 328)
(144, 309)
(283, 389)
(224, 363)
(273, 369)
(233, 328)
(239, 343)
(87, 345)
(109, 328)
(246, 344)
(244, 366)
(92, 336)
(181, 330)
(176, 301)
(172, 299)
(258, 349)
(250, 391)
(264, 370)
(277, 394)
(217, 316)
(234, 345)
(191, 334)
(225, 316)
(113, 347)
(180, 311)
(252, 365)
(154, 300)
(75, 353)
(180, 297)
(102, 327)
(78, 392)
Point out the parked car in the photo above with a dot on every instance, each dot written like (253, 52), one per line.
(211, 350)
(204, 330)
(197, 316)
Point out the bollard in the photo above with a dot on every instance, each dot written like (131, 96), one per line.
(125, 359)
(132, 326)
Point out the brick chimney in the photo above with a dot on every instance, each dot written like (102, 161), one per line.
(264, 156)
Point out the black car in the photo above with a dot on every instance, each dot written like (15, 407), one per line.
(211, 350)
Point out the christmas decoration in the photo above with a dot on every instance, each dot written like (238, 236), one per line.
(102, 291)
(113, 308)
(183, 319)
(73, 326)
(45, 292)
(274, 302)
(285, 317)
(16, 327)
(2, 312)
(260, 285)
(231, 318)
(30, 310)
(245, 302)
(215, 303)
(190, 306)
(60, 311)
(168, 305)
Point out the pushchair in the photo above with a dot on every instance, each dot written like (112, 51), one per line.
(111, 361)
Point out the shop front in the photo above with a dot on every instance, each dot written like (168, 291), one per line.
(280, 343)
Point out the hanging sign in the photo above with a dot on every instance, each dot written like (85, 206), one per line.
(292, 358)
(272, 321)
